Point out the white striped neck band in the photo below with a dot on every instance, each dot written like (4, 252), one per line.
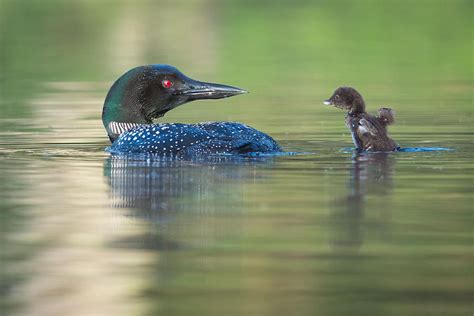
(119, 128)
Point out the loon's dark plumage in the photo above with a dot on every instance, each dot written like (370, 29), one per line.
(369, 132)
(148, 92)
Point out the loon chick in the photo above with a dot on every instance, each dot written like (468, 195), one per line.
(148, 92)
(369, 132)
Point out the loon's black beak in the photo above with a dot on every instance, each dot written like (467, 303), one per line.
(196, 90)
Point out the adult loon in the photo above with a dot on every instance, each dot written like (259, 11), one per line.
(369, 132)
(148, 92)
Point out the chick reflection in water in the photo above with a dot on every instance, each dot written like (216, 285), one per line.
(370, 187)
(180, 200)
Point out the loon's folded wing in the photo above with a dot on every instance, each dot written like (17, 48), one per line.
(366, 127)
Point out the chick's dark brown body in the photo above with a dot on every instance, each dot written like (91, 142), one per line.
(369, 132)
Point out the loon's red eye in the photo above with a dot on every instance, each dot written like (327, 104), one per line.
(167, 83)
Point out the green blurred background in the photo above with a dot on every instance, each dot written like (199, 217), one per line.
(315, 234)
(289, 54)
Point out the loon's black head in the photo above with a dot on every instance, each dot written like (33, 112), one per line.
(148, 92)
(348, 99)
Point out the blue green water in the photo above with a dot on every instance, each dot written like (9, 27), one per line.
(319, 233)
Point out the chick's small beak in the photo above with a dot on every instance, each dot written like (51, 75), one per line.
(328, 102)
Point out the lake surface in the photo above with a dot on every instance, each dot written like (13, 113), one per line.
(321, 233)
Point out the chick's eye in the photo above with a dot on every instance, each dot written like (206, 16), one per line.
(166, 83)
(337, 97)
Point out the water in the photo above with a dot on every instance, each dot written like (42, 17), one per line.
(319, 233)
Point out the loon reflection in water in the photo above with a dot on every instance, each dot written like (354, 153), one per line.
(166, 193)
(369, 188)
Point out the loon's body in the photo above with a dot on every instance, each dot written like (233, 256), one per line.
(369, 132)
(187, 140)
(148, 92)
